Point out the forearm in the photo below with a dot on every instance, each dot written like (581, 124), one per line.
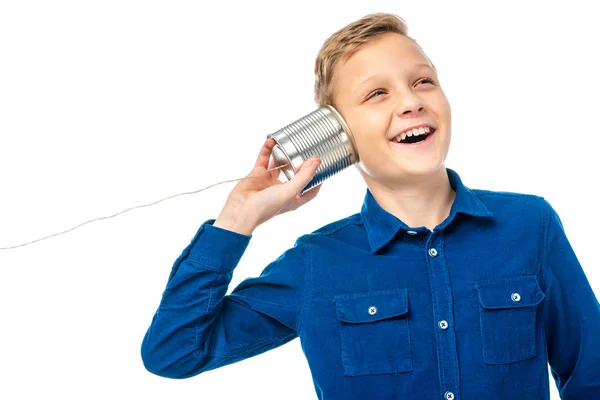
(176, 344)
(177, 340)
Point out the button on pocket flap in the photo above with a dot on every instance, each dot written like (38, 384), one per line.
(510, 292)
(371, 306)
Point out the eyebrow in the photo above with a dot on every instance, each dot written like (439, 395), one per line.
(420, 65)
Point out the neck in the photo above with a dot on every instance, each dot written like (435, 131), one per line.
(423, 201)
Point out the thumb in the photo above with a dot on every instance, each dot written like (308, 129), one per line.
(303, 176)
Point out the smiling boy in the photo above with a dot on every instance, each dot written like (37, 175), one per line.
(386, 88)
(432, 291)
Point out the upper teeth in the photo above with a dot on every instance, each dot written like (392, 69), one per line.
(413, 132)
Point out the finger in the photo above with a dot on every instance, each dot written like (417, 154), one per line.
(299, 181)
(262, 161)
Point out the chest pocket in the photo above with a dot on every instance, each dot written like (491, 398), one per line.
(508, 311)
(374, 332)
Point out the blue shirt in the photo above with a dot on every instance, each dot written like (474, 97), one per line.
(475, 309)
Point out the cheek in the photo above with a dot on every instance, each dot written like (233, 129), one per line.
(369, 125)
(443, 106)
(369, 128)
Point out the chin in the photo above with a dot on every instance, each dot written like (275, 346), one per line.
(393, 169)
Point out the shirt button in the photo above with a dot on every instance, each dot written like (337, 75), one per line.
(515, 297)
(411, 232)
(432, 252)
(449, 396)
(443, 324)
(372, 310)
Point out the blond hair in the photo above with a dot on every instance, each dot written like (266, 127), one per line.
(340, 46)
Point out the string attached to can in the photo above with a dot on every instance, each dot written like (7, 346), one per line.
(131, 208)
(322, 133)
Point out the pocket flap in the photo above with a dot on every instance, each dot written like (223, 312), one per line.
(510, 292)
(371, 306)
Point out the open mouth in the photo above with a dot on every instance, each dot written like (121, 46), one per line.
(415, 138)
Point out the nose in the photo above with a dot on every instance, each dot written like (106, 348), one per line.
(409, 103)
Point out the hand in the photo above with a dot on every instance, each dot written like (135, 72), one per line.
(259, 198)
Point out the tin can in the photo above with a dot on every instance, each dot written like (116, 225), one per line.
(322, 133)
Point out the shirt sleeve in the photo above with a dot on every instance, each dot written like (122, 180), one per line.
(197, 327)
(571, 316)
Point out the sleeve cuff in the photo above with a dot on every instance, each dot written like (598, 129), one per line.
(217, 248)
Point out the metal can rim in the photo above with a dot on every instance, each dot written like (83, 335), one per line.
(346, 129)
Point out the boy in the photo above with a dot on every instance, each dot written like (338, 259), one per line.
(431, 291)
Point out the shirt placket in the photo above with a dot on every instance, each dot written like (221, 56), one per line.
(443, 317)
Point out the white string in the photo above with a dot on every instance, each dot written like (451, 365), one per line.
(131, 208)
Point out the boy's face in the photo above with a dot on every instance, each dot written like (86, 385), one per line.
(398, 97)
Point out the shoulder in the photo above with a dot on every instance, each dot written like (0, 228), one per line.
(333, 229)
(520, 208)
(505, 195)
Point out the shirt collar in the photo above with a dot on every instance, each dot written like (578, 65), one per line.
(381, 226)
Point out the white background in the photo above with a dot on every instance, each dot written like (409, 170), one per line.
(106, 105)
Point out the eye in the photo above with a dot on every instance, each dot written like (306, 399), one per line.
(428, 80)
(374, 93)
(377, 91)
